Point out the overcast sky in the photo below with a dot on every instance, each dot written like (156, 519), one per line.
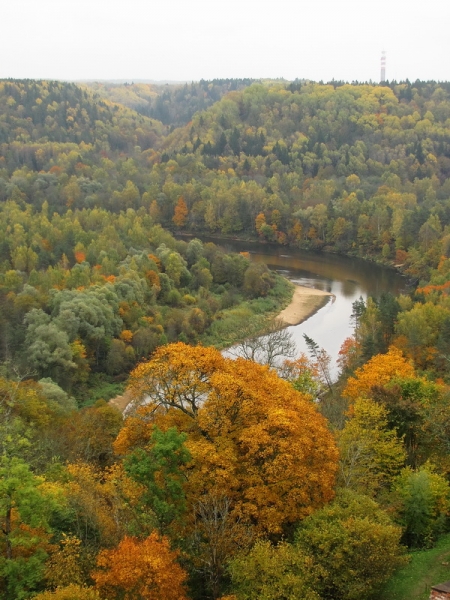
(185, 40)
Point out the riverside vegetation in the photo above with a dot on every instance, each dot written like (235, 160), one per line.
(229, 481)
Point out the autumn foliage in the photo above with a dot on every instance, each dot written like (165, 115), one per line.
(379, 370)
(253, 439)
(140, 570)
(180, 213)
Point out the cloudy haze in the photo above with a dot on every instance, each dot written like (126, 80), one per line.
(185, 40)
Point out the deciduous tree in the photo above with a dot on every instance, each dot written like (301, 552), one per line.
(140, 570)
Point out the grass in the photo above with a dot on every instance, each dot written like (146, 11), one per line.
(100, 387)
(250, 315)
(426, 568)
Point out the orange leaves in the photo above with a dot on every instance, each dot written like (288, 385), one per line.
(253, 439)
(434, 288)
(136, 570)
(181, 212)
(348, 354)
(260, 221)
(379, 370)
(127, 336)
(153, 278)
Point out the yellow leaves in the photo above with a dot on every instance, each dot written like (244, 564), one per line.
(94, 495)
(126, 335)
(63, 567)
(378, 371)
(371, 453)
(70, 592)
(177, 376)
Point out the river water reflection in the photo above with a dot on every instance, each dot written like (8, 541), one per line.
(347, 279)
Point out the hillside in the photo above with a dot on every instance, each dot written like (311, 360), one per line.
(172, 104)
(226, 479)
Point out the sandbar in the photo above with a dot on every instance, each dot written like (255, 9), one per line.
(305, 302)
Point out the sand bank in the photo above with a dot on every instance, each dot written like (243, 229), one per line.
(305, 302)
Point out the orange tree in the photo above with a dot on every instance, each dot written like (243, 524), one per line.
(379, 370)
(262, 457)
(251, 436)
(138, 570)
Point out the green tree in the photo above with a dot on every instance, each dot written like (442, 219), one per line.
(371, 453)
(158, 468)
(24, 539)
(274, 573)
(48, 348)
(424, 506)
(344, 538)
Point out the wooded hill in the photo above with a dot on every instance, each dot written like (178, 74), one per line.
(231, 480)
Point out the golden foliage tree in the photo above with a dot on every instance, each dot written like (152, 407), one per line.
(262, 456)
(64, 566)
(379, 370)
(140, 570)
(252, 437)
(180, 213)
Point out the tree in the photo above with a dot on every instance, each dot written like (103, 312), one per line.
(344, 538)
(423, 505)
(274, 573)
(88, 434)
(181, 212)
(24, 539)
(70, 592)
(158, 469)
(371, 454)
(322, 361)
(64, 566)
(140, 570)
(379, 370)
(96, 504)
(258, 280)
(48, 349)
(248, 430)
(262, 456)
(303, 375)
(277, 343)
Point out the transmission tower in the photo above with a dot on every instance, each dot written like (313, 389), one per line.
(383, 67)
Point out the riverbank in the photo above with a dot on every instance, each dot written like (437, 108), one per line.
(305, 302)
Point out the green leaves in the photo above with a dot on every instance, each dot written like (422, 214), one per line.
(158, 469)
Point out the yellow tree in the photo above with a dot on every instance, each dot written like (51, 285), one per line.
(378, 371)
(70, 592)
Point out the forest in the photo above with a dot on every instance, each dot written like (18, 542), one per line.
(224, 478)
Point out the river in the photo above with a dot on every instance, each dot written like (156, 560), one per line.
(346, 278)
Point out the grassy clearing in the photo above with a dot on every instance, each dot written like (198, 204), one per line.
(101, 387)
(426, 568)
(250, 315)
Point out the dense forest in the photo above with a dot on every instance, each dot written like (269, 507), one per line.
(224, 478)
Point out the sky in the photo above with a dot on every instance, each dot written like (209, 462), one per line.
(189, 40)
